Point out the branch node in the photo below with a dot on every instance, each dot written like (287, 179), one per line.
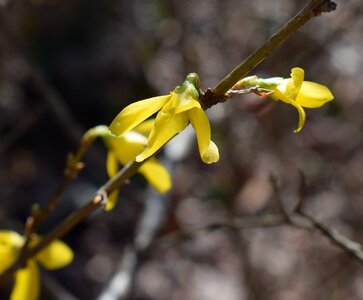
(101, 198)
(325, 7)
(209, 98)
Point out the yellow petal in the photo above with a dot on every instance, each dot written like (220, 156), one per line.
(10, 244)
(127, 146)
(133, 114)
(313, 95)
(187, 105)
(111, 200)
(145, 127)
(56, 255)
(156, 174)
(302, 115)
(121, 151)
(166, 126)
(112, 169)
(211, 154)
(111, 164)
(294, 83)
(27, 283)
(207, 149)
(180, 103)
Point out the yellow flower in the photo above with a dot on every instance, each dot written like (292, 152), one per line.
(123, 149)
(27, 280)
(176, 110)
(298, 93)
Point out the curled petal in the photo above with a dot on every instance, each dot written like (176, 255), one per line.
(294, 83)
(56, 255)
(27, 283)
(133, 114)
(166, 126)
(302, 116)
(313, 95)
(207, 149)
(156, 174)
(211, 154)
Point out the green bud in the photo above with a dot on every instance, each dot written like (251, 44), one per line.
(191, 85)
(98, 131)
(194, 79)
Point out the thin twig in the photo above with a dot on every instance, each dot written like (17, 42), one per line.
(351, 247)
(265, 221)
(302, 192)
(39, 214)
(298, 220)
(311, 10)
(95, 202)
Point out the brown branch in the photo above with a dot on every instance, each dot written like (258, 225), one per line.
(351, 247)
(296, 219)
(311, 10)
(95, 202)
(236, 224)
(39, 214)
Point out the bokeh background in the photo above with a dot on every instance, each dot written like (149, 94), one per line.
(66, 66)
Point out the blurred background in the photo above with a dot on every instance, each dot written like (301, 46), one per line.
(66, 66)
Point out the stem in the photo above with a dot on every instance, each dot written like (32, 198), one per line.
(96, 201)
(311, 10)
(73, 166)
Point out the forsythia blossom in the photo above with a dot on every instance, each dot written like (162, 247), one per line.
(294, 91)
(175, 111)
(123, 149)
(27, 280)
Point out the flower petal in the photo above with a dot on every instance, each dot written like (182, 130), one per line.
(133, 114)
(302, 115)
(112, 200)
(166, 126)
(156, 174)
(112, 169)
(27, 283)
(207, 149)
(313, 95)
(294, 83)
(126, 147)
(111, 164)
(10, 244)
(187, 105)
(145, 127)
(56, 255)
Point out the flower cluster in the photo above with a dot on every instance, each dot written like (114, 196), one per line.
(175, 112)
(27, 280)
